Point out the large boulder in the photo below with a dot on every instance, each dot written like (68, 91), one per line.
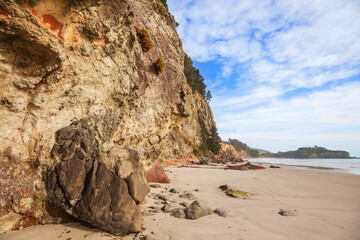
(157, 174)
(94, 182)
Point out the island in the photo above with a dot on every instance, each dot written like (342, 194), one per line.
(308, 152)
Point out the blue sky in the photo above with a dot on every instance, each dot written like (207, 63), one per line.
(283, 73)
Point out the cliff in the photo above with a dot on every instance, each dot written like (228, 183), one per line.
(230, 149)
(89, 89)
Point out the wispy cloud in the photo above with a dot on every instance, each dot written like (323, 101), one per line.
(270, 48)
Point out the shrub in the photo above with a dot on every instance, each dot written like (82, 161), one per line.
(144, 39)
(198, 152)
(214, 141)
(188, 141)
(165, 4)
(159, 66)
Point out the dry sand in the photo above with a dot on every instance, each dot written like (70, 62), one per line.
(326, 206)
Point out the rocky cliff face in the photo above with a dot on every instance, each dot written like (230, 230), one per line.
(228, 148)
(81, 99)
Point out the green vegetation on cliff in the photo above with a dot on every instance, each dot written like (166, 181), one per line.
(210, 142)
(242, 146)
(165, 4)
(309, 152)
(195, 79)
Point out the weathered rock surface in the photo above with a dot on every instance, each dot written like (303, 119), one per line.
(197, 209)
(101, 188)
(156, 174)
(232, 192)
(64, 63)
(228, 149)
(179, 213)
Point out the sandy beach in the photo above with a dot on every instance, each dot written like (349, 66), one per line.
(326, 205)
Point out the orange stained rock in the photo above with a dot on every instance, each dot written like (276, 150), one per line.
(3, 16)
(53, 24)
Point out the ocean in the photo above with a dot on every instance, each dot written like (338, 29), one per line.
(350, 166)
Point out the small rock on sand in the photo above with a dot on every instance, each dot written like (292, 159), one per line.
(273, 166)
(166, 208)
(224, 187)
(165, 198)
(286, 213)
(175, 190)
(237, 193)
(197, 209)
(155, 185)
(189, 196)
(221, 212)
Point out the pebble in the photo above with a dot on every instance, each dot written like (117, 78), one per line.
(221, 212)
(175, 190)
(189, 196)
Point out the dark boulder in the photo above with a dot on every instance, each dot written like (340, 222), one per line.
(103, 188)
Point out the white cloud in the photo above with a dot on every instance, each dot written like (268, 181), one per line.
(321, 118)
(278, 46)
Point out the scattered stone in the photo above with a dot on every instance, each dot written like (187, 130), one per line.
(197, 209)
(155, 185)
(224, 187)
(221, 212)
(157, 174)
(237, 193)
(244, 167)
(154, 207)
(148, 237)
(175, 190)
(185, 204)
(166, 208)
(165, 198)
(196, 190)
(273, 166)
(179, 213)
(156, 210)
(157, 203)
(286, 213)
(189, 196)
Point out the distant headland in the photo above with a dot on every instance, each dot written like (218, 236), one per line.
(308, 152)
(302, 152)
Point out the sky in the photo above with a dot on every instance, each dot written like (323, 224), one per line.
(283, 73)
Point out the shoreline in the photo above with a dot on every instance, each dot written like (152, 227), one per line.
(325, 206)
(350, 170)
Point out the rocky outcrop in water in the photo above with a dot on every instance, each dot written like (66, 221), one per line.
(74, 70)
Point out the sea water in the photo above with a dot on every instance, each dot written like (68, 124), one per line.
(351, 166)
